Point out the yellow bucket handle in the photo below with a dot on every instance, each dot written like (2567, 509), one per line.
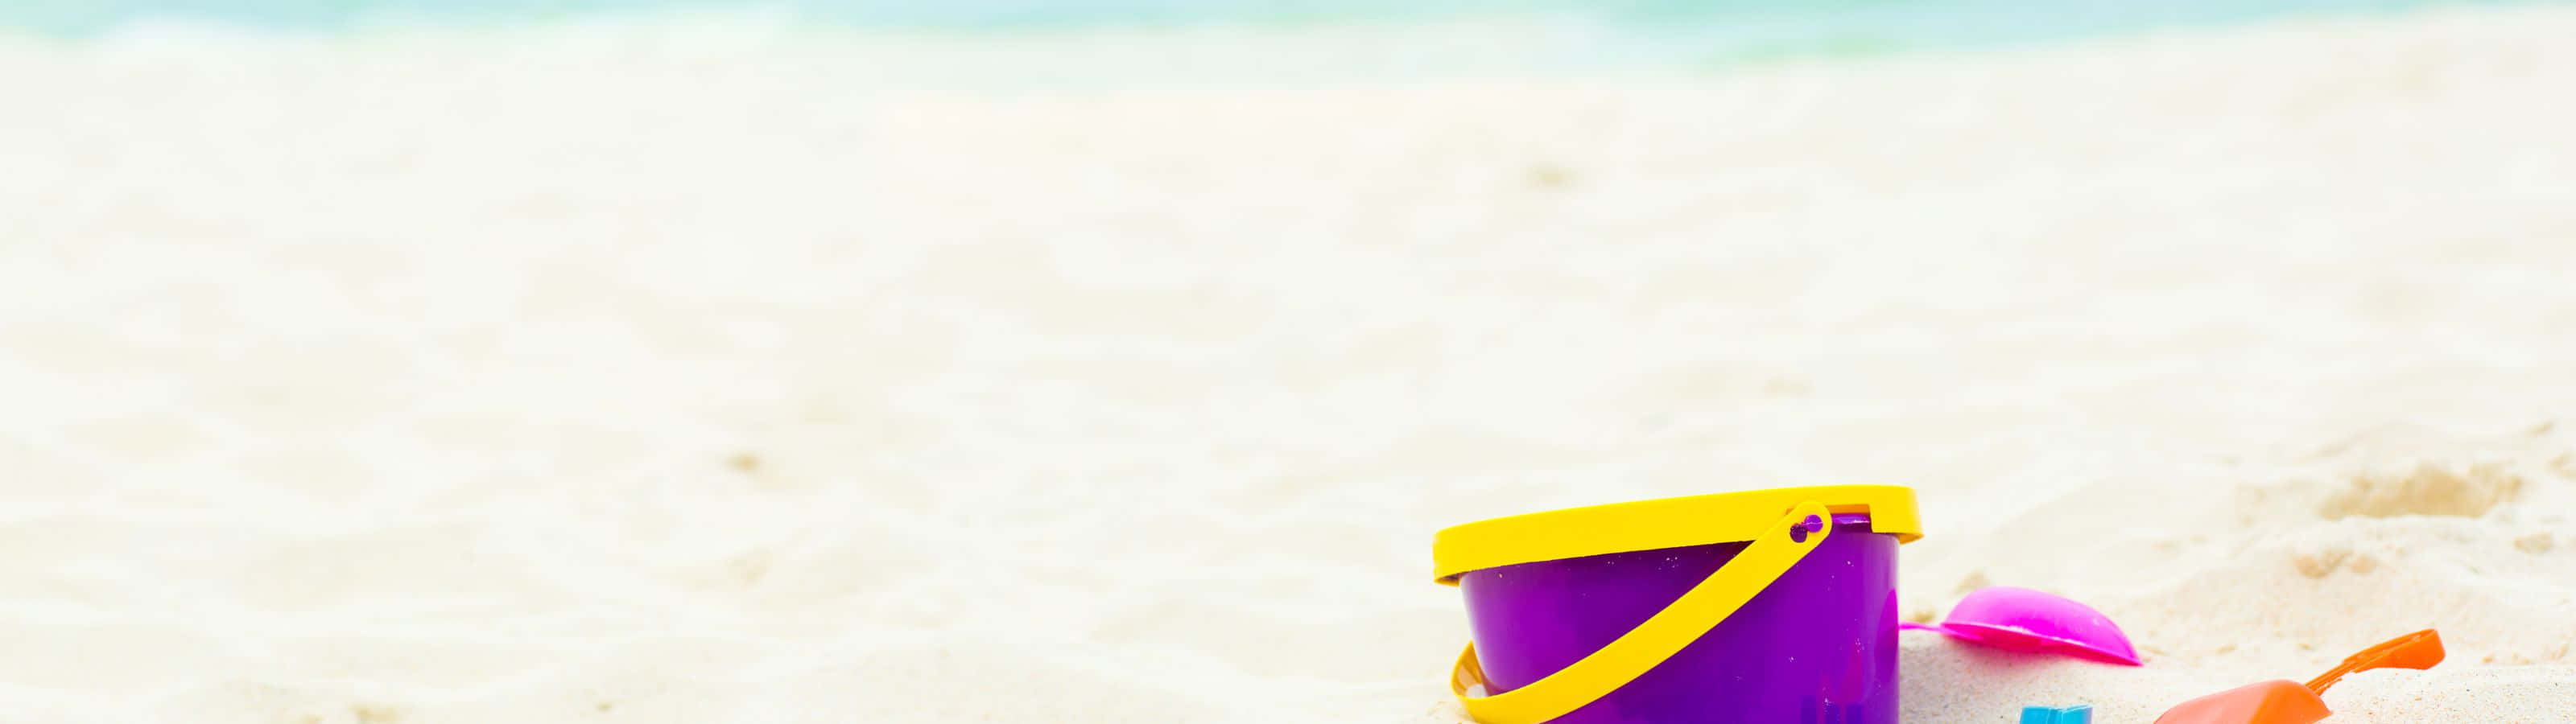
(1643, 648)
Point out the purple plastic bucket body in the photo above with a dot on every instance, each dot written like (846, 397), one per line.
(1817, 646)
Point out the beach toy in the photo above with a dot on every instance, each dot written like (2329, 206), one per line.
(2282, 701)
(2077, 714)
(2020, 619)
(1759, 606)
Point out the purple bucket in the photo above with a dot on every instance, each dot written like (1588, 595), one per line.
(1817, 645)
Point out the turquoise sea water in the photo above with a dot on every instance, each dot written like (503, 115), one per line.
(1742, 27)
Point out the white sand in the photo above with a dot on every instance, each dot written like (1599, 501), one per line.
(720, 374)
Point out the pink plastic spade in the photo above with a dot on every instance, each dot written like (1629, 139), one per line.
(2020, 619)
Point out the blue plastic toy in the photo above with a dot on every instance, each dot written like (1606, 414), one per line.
(2077, 714)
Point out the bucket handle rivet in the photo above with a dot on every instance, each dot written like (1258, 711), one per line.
(1798, 533)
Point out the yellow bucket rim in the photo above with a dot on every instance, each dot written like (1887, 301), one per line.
(1660, 523)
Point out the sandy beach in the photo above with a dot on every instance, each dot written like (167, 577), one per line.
(712, 372)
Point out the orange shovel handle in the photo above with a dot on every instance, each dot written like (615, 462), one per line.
(2418, 650)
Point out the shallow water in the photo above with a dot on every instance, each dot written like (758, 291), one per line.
(1662, 32)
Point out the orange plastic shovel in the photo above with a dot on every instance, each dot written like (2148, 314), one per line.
(2283, 701)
